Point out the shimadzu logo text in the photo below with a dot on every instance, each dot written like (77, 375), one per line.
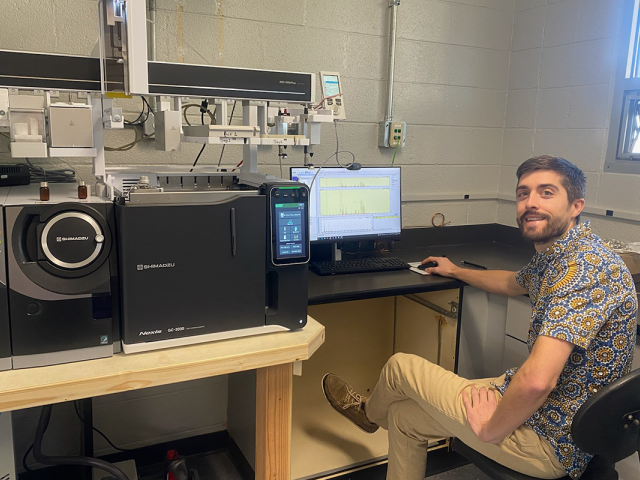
(69, 239)
(155, 265)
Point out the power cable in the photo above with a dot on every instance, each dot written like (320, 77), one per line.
(203, 108)
(146, 108)
(186, 107)
(353, 157)
(130, 145)
(24, 459)
(43, 423)
(394, 152)
(335, 154)
(328, 158)
(75, 406)
(60, 175)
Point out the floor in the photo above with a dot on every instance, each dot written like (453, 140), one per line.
(207, 466)
(468, 472)
(218, 466)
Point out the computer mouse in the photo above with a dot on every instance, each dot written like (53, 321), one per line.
(428, 265)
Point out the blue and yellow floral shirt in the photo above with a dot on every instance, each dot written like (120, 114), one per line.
(581, 292)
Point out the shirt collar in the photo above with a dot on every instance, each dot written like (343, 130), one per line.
(579, 231)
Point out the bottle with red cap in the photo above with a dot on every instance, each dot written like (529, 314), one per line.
(176, 466)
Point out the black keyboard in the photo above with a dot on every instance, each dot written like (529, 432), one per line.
(360, 265)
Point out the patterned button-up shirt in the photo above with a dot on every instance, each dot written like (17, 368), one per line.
(581, 292)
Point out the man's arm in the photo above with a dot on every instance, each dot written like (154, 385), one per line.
(529, 388)
(494, 281)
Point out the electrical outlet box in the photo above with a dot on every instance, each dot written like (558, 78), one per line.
(4, 107)
(149, 126)
(168, 130)
(392, 134)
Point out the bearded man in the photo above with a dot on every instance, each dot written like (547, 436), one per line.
(581, 338)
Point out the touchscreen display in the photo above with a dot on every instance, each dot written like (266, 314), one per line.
(291, 236)
(289, 207)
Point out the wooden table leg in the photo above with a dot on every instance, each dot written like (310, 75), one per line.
(274, 389)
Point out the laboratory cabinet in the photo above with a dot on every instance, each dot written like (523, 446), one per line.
(482, 334)
(494, 331)
(517, 331)
(360, 336)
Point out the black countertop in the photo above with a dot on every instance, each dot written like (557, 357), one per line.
(494, 255)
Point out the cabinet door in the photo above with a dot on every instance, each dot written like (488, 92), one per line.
(515, 352)
(425, 332)
(518, 317)
(482, 330)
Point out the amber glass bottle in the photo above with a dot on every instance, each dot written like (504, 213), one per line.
(82, 190)
(44, 191)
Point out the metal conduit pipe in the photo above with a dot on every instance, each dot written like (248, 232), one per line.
(151, 40)
(393, 20)
(151, 29)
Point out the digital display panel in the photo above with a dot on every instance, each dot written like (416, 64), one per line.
(291, 231)
(331, 85)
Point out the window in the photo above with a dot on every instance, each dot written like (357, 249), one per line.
(623, 152)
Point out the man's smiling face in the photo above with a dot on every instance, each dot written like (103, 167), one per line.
(544, 212)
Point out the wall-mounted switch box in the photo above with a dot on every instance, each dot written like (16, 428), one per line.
(168, 130)
(392, 134)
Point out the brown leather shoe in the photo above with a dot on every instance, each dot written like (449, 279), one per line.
(347, 402)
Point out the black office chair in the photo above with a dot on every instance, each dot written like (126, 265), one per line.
(607, 426)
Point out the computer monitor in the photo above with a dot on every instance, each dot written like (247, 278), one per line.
(348, 205)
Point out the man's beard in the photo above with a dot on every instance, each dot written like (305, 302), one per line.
(554, 228)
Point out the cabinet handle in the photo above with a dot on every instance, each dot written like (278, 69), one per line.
(233, 232)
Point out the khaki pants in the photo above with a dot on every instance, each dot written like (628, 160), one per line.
(417, 401)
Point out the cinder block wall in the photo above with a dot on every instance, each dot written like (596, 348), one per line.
(483, 85)
(561, 79)
(452, 68)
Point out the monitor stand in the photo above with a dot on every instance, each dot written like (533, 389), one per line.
(363, 249)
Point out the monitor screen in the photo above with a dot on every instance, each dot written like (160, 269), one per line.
(352, 204)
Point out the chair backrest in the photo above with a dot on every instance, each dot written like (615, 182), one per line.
(608, 424)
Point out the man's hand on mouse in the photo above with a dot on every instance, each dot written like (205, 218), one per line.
(444, 266)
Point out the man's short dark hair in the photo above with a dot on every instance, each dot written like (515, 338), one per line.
(573, 180)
